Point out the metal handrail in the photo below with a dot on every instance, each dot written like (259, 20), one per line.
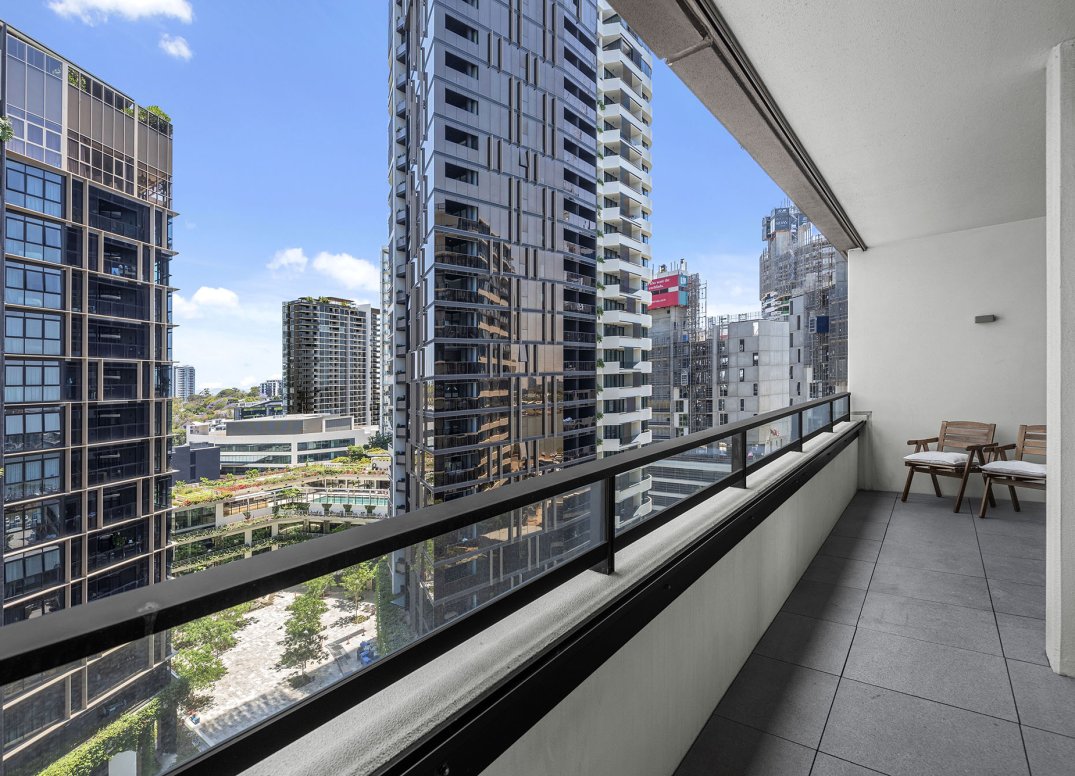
(36, 645)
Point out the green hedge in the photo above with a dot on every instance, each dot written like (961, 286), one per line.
(129, 732)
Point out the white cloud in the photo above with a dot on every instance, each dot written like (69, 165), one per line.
(175, 46)
(289, 260)
(348, 271)
(207, 300)
(93, 11)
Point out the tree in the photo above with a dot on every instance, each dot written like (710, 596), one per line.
(198, 666)
(354, 452)
(317, 587)
(381, 440)
(356, 580)
(303, 641)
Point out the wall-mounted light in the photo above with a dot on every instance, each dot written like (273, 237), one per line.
(985, 318)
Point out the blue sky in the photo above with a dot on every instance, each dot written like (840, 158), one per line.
(280, 160)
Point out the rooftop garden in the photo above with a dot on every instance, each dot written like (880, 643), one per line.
(230, 486)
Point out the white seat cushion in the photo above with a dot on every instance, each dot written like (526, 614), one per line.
(934, 458)
(1016, 469)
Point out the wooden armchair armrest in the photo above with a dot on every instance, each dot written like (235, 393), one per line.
(987, 446)
(996, 452)
(922, 442)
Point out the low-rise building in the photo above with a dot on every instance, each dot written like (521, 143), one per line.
(193, 462)
(219, 521)
(276, 442)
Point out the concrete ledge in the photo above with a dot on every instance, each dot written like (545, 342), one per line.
(640, 712)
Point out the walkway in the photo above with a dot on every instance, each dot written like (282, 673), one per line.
(912, 645)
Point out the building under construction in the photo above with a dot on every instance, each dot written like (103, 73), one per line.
(804, 278)
(682, 354)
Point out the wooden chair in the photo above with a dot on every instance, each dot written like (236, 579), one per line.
(959, 435)
(1016, 473)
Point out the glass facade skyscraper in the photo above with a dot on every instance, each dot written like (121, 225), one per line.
(493, 257)
(87, 207)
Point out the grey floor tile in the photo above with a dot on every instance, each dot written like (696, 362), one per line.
(1023, 638)
(1015, 598)
(860, 527)
(783, 699)
(826, 602)
(851, 547)
(839, 571)
(1028, 571)
(958, 677)
(938, 586)
(827, 765)
(1049, 754)
(921, 553)
(726, 748)
(804, 641)
(956, 533)
(956, 626)
(902, 735)
(1022, 524)
(1013, 546)
(1045, 700)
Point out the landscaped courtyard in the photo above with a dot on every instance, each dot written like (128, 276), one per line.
(254, 687)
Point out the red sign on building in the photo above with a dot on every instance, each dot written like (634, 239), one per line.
(666, 299)
(664, 283)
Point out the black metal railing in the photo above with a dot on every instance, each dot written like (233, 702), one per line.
(735, 452)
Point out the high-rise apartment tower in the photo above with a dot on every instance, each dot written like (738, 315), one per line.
(87, 205)
(493, 243)
(803, 277)
(625, 87)
(184, 381)
(332, 352)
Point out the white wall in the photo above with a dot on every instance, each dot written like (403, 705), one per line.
(915, 355)
(639, 713)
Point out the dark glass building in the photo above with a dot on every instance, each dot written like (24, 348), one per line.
(86, 199)
(493, 272)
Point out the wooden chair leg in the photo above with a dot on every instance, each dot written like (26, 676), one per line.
(936, 484)
(907, 486)
(985, 497)
(992, 498)
(1015, 499)
(962, 490)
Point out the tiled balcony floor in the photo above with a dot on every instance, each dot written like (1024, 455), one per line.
(913, 645)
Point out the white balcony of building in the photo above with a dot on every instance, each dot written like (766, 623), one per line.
(624, 317)
(626, 392)
(779, 609)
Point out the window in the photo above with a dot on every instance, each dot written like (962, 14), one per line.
(798, 355)
(742, 346)
(742, 405)
(460, 65)
(26, 610)
(34, 189)
(461, 101)
(34, 101)
(460, 28)
(454, 135)
(798, 389)
(720, 404)
(262, 447)
(127, 578)
(457, 172)
(723, 419)
(33, 333)
(32, 428)
(33, 238)
(190, 519)
(754, 359)
(26, 381)
(32, 476)
(742, 375)
(36, 523)
(33, 286)
(326, 444)
(33, 571)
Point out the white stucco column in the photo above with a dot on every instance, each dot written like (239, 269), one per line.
(1060, 347)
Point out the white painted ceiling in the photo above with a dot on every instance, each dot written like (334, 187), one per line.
(924, 116)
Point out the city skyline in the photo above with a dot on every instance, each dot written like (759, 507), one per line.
(329, 244)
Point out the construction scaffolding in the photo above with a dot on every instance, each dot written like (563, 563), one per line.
(682, 357)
